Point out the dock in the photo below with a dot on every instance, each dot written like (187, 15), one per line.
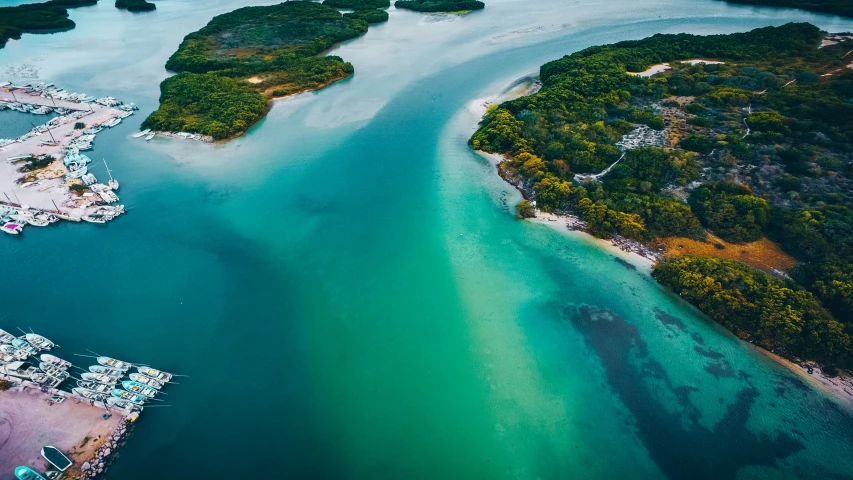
(48, 189)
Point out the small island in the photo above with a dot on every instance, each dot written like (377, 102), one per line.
(836, 7)
(371, 11)
(725, 157)
(45, 17)
(444, 6)
(230, 70)
(136, 5)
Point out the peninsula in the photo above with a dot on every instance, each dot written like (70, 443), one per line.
(723, 140)
(45, 17)
(230, 70)
(136, 5)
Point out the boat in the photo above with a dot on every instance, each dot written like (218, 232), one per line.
(146, 380)
(138, 388)
(24, 345)
(99, 378)
(14, 352)
(150, 136)
(13, 228)
(89, 394)
(6, 358)
(45, 380)
(94, 386)
(6, 337)
(130, 397)
(113, 183)
(123, 404)
(27, 473)
(154, 373)
(48, 358)
(114, 364)
(56, 457)
(113, 372)
(38, 220)
(39, 342)
(112, 122)
(94, 218)
(54, 371)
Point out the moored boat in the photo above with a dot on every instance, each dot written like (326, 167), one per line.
(130, 397)
(99, 378)
(138, 388)
(123, 404)
(27, 473)
(114, 364)
(25, 346)
(54, 360)
(142, 133)
(94, 386)
(6, 337)
(39, 342)
(6, 358)
(106, 371)
(13, 228)
(54, 371)
(154, 373)
(146, 380)
(44, 379)
(89, 394)
(14, 352)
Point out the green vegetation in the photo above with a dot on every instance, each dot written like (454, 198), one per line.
(358, 4)
(36, 163)
(440, 5)
(79, 125)
(45, 17)
(370, 16)
(228, 70)
(758, 143)
(775, 314)
(136, 5)
(731, 211)
(837, 7)
(5, 385)
(525, 209)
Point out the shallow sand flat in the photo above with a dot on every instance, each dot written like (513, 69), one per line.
(28, 422)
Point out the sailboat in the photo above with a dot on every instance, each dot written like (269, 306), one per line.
(113, 183)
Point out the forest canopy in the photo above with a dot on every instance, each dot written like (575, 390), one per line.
(45, 17)
(136, 5)
(440, 5)
(257, 53)
(837, 7)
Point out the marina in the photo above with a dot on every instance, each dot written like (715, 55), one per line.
(105, 400)
(44, 176)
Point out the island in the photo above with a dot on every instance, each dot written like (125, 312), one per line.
(136, 5)
(703, 148)
(836, 7)
(229, 71)
(445, 6)
(45, 17)
(371, 11)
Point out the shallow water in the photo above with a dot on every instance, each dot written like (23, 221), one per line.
(351, 297)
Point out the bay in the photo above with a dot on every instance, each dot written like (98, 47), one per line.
(351, 297)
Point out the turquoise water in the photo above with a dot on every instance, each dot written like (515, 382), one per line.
(351, 297)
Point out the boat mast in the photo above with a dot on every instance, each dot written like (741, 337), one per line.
(108, 168)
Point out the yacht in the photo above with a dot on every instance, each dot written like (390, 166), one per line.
(99, 378)
(98, 397)
(14, 352)
(115, 364)
(53, 360)
(146, 380)
(6, 337)
(125, 395)
(123, 404)
(154, 373)
(13, 228)
(138, 388)
(24, 345)
(39, 342)
(112, 372)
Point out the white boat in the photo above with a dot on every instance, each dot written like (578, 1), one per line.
(113, 183)
(113, 372)
(146, 380)
(94, 218)
(112, 363)
(24, 345)
(54, 371)
(150, 136)
(6, 358)
(123, 404)
(94, 386)
(6, 337)
(53, 360)
(14, 352)
(154, 373)
(45, 380)
(142, 133)
(13, 228)
(38, 220)
(99, 378)
(89, 394)
(39, 342)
